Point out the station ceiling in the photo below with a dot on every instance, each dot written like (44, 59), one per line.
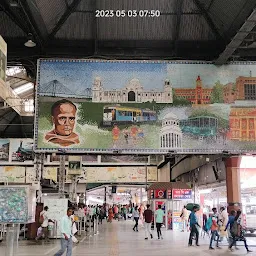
(214, 30)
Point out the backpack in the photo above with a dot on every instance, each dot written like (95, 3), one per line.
(208, 224)
(234, 229)
(41, 219)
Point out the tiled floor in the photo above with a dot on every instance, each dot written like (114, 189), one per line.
(118, 239)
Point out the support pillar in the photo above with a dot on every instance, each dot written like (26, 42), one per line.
(12, 239)
(62, 177)
(233, 183)
(105, 196)
(74, 189)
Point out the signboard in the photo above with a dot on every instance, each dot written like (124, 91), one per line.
(145, 106)
(74, 165)
(160, 194)
(181, 194)
(131, 174)
(177, 221)
(3, 59)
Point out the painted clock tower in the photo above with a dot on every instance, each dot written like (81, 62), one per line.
(199, 91)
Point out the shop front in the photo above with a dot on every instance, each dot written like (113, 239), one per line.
(172, 196)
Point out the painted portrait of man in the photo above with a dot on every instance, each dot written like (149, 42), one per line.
(63, 114)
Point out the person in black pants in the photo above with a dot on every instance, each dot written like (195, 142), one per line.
(193, 226)
(136, 216)
(239, 232)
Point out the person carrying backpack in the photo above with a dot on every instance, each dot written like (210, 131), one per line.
(231, 220)
(237, 232)
(214, 229)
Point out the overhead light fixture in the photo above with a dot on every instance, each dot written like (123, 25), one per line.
(30, 42)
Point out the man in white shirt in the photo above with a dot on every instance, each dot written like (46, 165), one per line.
(44, 221)
(184, 216)
(66, 231)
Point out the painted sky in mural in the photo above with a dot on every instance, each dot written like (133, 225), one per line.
(145, 105)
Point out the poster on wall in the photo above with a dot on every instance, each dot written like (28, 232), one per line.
(21, 150)
(74, 165)
(99, 106)
(4, 149)
(50, 173)
(30, 174)
(134, 174)
(12, 174)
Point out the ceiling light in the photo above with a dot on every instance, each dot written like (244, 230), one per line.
(30, 42)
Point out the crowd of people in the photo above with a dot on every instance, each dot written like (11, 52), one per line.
(218, 225)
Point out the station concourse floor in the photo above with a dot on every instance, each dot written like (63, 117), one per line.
(118, 239)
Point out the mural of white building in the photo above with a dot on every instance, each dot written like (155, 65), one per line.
(170, 133)
(132, 92)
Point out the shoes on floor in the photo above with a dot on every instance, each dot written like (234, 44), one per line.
(189, 244)
(211, 248)
(151, 236)
(146, 238)
(198, 245)
(249, 251)
(231, 249)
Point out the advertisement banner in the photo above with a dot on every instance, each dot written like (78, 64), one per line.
(145, 106)
(131, 174)
(74, 165)
(4, 150)
(181, 194)
(12, 174)
(21, 150)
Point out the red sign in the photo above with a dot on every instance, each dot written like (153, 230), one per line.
(160, 194)
(182, 194)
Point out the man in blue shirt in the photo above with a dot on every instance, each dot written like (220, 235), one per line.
(66, 231)
(193, 226)
(231, 220)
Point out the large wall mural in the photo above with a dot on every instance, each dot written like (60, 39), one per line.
(92, 105)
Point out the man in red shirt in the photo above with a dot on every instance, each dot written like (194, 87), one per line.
(148, 216)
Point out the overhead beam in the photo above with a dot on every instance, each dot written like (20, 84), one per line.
(243, 32)
(10, 97)
(64, 17)
(3, 127)
(13, 17)
(179, 4)
(208, 19)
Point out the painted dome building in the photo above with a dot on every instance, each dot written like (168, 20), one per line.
(170, 133)
(133, 92)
